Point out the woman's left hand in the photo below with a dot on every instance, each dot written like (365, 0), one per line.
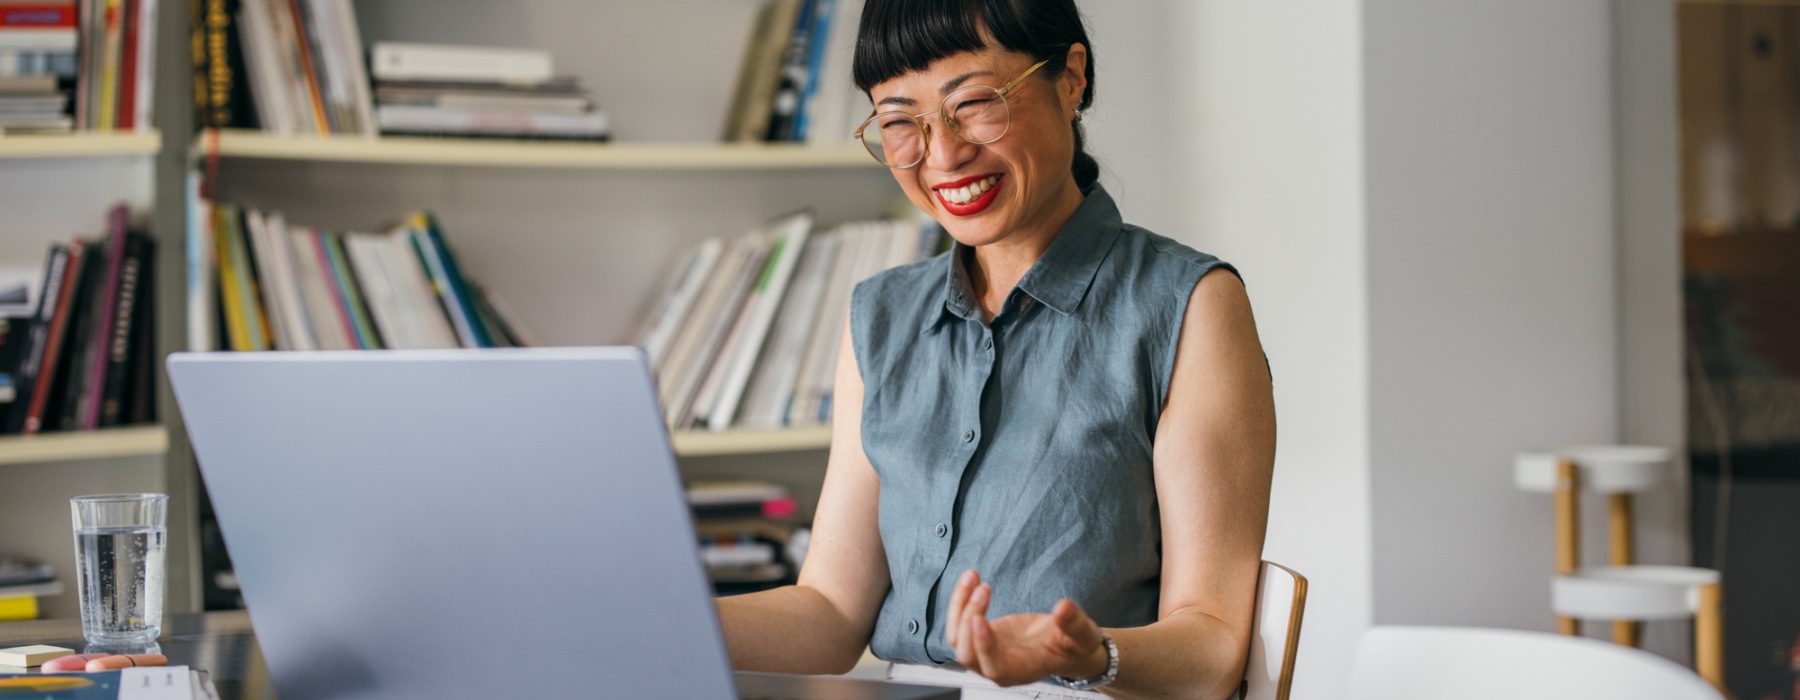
(1023, 648)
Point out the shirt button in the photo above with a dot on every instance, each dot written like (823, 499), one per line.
(987, 343)
(912, 626)
(942, 529)
(968, 436)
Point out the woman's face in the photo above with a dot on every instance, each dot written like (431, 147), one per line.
(1025, 174)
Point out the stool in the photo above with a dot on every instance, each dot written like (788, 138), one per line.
(1622, 592)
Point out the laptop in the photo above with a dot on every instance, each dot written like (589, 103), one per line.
(461, 524)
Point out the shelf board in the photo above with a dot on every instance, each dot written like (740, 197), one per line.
(396, 150)
(706, 443)
(80, 144)
(136, 441)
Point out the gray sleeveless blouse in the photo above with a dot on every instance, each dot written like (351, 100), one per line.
(1021, 448)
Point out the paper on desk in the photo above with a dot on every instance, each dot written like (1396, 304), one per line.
(156, 683)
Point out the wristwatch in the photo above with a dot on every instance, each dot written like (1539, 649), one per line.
(1111, 674)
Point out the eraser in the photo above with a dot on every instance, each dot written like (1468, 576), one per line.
(34, 655)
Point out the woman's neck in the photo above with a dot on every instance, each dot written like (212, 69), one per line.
(996, 268)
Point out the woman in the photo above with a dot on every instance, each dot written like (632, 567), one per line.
(1052, 445)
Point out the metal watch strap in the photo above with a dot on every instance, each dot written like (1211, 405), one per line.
(1111, 674)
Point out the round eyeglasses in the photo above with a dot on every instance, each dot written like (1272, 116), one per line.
(977, 114)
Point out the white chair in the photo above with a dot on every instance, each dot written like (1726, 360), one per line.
(1623, 591)
(1433, 663)
(1274, 633)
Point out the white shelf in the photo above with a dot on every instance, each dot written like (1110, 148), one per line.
(136, 441)
(80, 144)
(705, 443)
(394, 150)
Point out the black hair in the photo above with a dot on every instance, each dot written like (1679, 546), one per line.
(898, 36)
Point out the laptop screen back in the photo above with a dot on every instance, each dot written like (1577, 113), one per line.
(431, 524)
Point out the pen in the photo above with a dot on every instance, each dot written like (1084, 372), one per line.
(114, 663)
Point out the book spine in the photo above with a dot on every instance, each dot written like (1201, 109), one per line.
(140, 392)
(459, 286)
(116, 253)
(440, 282)
(56, 267)
(128, 64)
(403, 61)
(308, 68)
(119, 348)
(80, 358)
(108, 91)
(145, 79)
(355, 303)
(819, 42)
(334, 286)
(53, 347)
(237, 335)
(37, 16)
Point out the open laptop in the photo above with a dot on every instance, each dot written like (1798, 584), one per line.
(462, 524)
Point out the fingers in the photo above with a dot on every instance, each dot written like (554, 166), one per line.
(959, 597)
(983, 643)
(1076, 625)
(974, 614)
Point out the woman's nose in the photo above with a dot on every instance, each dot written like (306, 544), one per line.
(945, 150)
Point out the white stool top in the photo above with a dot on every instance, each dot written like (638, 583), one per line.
(1630, 592)
(1602, 468)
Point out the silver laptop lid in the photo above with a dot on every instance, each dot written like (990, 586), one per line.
(435, 524)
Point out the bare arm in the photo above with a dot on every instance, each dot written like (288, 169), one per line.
(1214, 455)
(822, 623)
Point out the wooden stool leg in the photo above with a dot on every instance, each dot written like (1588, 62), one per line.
(1568, 541)
(1709, 637)
(1621, 553)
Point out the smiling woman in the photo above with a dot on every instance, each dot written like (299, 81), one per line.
(1052, 444)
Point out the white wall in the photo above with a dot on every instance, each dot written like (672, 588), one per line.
(1492, 319)
(1449, 234)
(1225, 137)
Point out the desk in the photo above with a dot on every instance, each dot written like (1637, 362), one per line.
(220, 643)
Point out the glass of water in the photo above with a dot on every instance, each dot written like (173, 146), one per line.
(120, 543)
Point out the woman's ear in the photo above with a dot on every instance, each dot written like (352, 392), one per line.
(1073, 82)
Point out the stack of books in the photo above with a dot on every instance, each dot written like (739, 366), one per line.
(479, 92)
(259, 282)
(304, 59)
(98, 50)
(795, 82)
(748, 536)
(22, 582)
(80, 354)
(744, 333)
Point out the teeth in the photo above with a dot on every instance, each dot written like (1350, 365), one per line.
(968, 193)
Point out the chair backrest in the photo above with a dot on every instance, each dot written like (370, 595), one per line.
(1274, 633)
(1406, 663)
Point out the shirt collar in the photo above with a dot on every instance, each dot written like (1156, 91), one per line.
(1061, 276)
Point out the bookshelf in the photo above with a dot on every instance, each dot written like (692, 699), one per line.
(575, 236)
(80, 145)
(702, 443)
(391, 150)
(132, 441)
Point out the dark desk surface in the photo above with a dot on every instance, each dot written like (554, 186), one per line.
(220, 643)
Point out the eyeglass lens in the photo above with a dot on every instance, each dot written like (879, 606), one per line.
(977, 114)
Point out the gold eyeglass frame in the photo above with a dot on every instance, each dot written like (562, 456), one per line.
(925, 127)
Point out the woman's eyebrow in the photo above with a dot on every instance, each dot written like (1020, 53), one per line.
(949, 87)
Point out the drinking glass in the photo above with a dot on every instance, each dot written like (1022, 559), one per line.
(120, 549)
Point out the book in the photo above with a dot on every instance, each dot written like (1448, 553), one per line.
(444, 121)
(123, 333)
(143, 683)
(790, 234)
(350, 291)
(662, 322)
(772, 388)
(419, 61)
(24, 379)
(794, 62)
(760, 75)
(221, 79)
(106, 309)
(54, 368)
